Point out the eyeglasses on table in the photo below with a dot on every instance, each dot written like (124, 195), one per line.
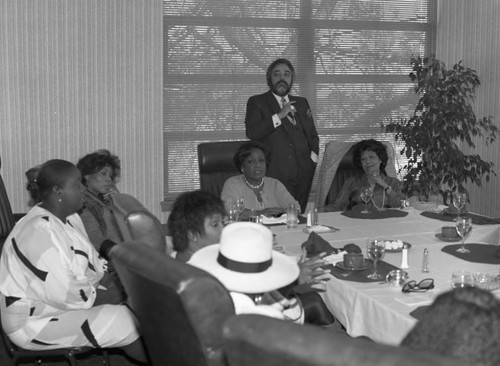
(423, 286)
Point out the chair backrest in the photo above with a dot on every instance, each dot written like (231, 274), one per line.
(338, 165)
(215, 162)
(180, 308)
(345, 170)
(135, 222)
(258, 340)
(7, 221)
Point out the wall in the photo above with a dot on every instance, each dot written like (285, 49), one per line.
(470, 31)
(76, 76)
(80, 75)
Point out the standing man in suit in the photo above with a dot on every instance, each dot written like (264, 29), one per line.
(285, 125)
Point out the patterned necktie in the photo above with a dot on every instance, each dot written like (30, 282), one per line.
(290, 118)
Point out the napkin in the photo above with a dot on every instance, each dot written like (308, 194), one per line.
(335, 257)
(279, 220)
(320, 229)
(273, 220)
(315, 244)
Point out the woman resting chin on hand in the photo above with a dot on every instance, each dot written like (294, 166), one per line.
(370, 157)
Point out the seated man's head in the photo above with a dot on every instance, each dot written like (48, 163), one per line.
(196, 221)
(463, 323)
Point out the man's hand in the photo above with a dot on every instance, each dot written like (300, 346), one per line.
(288, 108)
(311, 271)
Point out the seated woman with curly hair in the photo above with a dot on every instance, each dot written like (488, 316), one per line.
(100, 173)
(196, 220)
(370, 157)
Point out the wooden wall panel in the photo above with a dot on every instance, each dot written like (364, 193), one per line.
(76, 76)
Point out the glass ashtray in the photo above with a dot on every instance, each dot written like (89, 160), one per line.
(487, 281)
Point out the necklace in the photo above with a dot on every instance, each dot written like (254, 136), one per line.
(383, 201)
(252, 186)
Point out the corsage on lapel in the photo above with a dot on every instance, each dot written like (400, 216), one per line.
(309, 113)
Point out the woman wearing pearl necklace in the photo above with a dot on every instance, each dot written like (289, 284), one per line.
(264, 195)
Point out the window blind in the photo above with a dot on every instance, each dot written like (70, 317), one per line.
(352, 61)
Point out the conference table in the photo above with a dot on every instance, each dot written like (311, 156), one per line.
(376, 309)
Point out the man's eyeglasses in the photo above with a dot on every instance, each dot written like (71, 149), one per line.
(424, 285)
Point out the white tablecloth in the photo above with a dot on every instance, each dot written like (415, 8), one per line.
(377, 310)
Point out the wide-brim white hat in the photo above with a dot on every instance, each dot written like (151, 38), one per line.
(244, 260)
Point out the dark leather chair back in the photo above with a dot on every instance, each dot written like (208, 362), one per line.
(180, 308)
(7, 220)
(258, 340)
(215, 162)
(345, 170)
(135, 222)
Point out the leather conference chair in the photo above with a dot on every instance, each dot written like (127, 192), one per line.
(215, 162)
(135, 222)
(346, 170)
(258, 340)
(7, 220)
(180, 308)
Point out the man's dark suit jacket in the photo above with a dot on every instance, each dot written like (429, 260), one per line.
(290, 147)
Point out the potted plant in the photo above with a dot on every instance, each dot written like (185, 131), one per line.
(443, 117)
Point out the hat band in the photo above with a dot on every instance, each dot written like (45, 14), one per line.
(243, 267)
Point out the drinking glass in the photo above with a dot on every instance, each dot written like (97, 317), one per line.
(292, 216)
(366, 195)
(255, 217)
(464, 229)
(232, 215)
(459, 201)
(240, 206)
(375, 250)
(461, 279)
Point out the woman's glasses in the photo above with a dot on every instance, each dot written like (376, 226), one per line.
(424, 285)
